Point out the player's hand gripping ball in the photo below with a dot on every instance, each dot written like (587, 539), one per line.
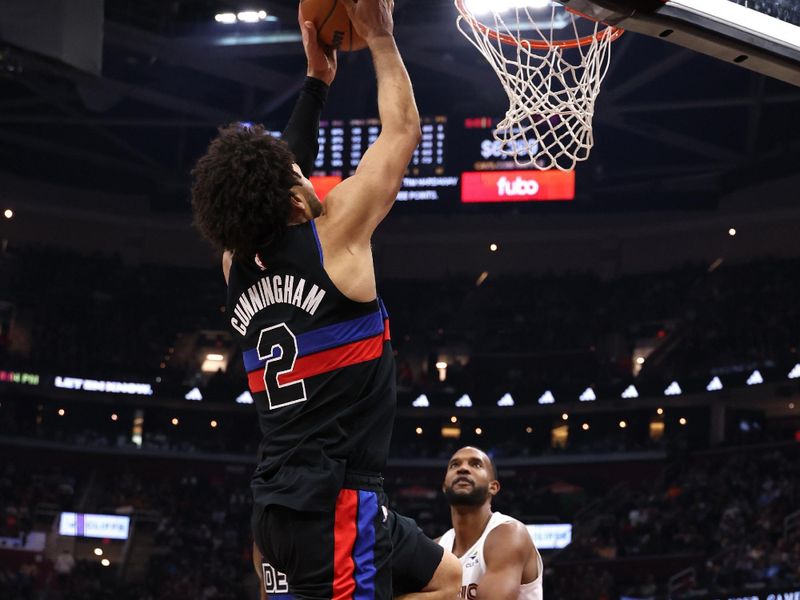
(333, 24)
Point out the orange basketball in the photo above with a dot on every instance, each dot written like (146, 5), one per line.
(332, 23)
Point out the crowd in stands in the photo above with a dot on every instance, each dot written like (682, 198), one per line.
(22, 492)
(727, 508)
(95, 315)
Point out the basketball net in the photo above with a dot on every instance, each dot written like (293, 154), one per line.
(551, 84)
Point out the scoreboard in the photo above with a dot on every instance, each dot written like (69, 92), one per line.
(343, 143)
(456, 162)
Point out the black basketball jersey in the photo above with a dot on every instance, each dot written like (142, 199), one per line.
(320, 368)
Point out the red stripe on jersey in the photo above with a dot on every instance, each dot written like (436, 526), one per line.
(327, 360)
(386, 333)
(335, 358)
(255, 380)
(345, 531)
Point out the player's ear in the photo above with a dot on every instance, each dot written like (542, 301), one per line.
(494, 487)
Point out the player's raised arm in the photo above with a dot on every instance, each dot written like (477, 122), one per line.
(357, 205)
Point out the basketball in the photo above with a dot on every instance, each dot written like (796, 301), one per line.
(333, 24)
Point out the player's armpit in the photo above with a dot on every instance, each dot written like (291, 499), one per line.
(508, 547)
(227, 260)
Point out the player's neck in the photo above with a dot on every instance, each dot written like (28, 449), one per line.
(469, 523)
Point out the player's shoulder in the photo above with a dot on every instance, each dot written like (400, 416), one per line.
(510, 535)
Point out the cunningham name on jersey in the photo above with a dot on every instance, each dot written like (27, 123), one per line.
(275, 289)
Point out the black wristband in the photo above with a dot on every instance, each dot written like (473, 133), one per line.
(316, 88)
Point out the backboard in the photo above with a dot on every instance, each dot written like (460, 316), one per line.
(761, 35)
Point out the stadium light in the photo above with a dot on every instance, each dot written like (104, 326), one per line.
(547, 398)
(215, 357)
(194, 394)
(441, 367)
(98, 552)
(585, 427)
(105, 562)
(588, 395)
(622, 424)
(795, 372)
(755, 378)
(226, 18)
(244, 398)
(464, 402)
(418, 430)
(630, 392)
(251, 16)
(493, 247)
(673, 389)
(480, 7)
(714, 385)
(421, 402)
(506, 400)
(8, 213)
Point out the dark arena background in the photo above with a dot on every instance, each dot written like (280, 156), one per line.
(624, 344)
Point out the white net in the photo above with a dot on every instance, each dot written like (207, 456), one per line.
(551, 87)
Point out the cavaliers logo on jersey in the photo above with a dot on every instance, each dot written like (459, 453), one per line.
(260, 263)
(472, 560)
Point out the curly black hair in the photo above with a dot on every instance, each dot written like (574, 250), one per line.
(241, 189)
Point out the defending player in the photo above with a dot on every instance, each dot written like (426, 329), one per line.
(498, 557)
(302, 301)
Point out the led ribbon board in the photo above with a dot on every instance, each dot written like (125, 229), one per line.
(114, 527)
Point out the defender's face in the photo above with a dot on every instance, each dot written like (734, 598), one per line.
(469, 479)
(305, 191)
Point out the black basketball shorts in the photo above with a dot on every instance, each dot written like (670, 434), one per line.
(356, 569)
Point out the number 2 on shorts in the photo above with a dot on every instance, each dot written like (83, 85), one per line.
(277, 345)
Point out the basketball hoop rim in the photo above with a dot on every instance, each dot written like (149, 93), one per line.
(615, 33)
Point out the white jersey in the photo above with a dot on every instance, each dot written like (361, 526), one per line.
(473, 563)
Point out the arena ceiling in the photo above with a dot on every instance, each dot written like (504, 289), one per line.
(668, 122)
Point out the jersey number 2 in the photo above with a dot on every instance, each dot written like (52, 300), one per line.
(277, 345)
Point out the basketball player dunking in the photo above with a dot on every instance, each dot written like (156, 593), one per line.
(498, 557)
(414, 555)
(303, 305)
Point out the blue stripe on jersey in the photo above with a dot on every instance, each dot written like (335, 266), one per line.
(316, 239)
(384, 312)
(325, 338)
(364, 548)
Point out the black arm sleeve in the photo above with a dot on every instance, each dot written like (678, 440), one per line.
(303, 127)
